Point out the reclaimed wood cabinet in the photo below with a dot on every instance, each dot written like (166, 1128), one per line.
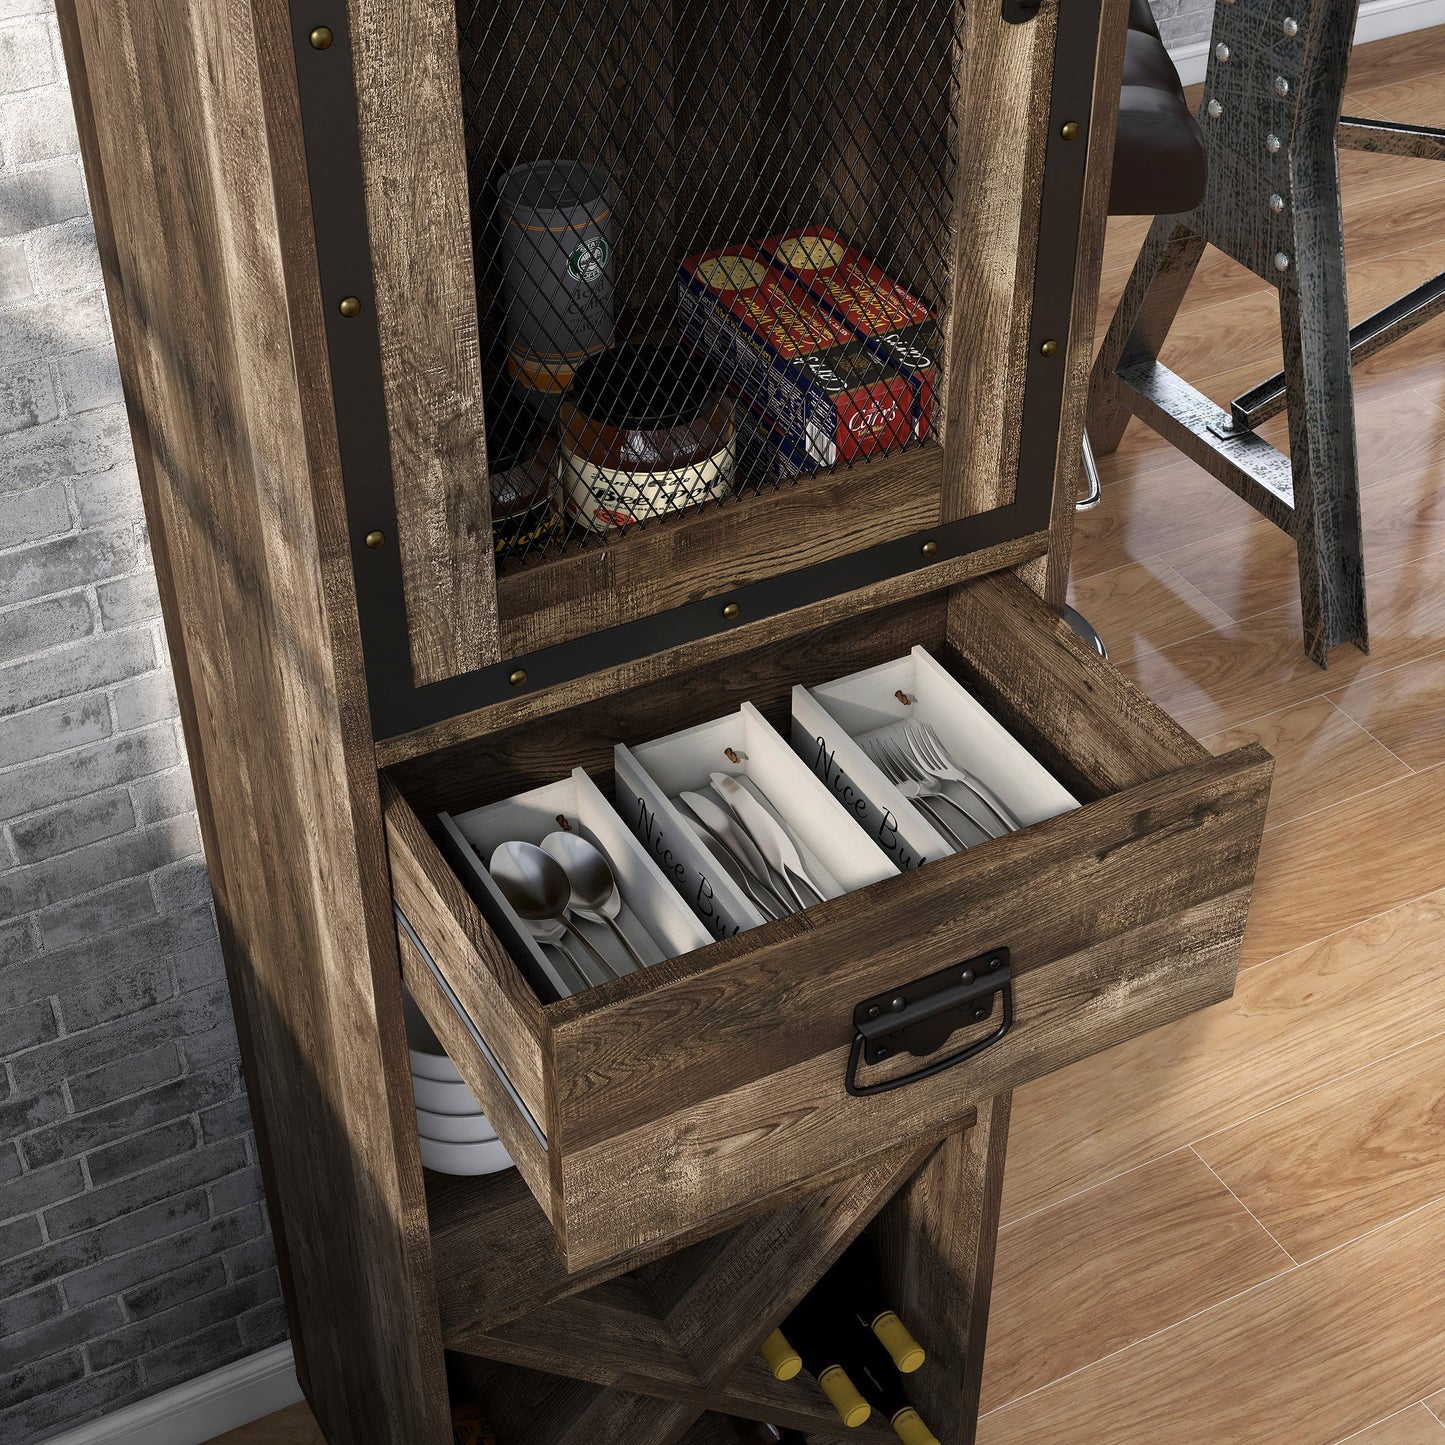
(298, 213)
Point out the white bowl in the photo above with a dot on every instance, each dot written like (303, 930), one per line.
(441, 1097)
(454, 1128)
(487, 1158)
(428, 1058)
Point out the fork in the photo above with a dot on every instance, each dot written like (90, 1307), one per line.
(930, 754)
(895, 768)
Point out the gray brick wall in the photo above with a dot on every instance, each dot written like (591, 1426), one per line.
(1183, 21)
(133, 1245)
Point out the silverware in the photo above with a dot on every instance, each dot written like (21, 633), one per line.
(550, 934)
(595, 893)
(931, 755)
(535, 885)
(771, 837)
(896, 770)
(739, 853)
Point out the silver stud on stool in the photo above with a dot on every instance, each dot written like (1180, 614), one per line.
(1214, 110)
(1281, 261)
(1291, 26)
(1272, 144)
(1221, 51)
(1281, 85)
(1276, 202)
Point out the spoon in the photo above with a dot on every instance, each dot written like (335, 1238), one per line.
(535, 885)
(595, 893)
(550, 935)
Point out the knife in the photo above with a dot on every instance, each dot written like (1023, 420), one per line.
(739, 854)
(757, 892)
(772, 839)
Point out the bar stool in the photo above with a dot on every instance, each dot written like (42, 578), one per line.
(1159, 168)
(1159, 160)
(1272, 202)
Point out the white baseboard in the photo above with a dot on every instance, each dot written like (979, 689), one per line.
(1378, 19)
(200, 1409)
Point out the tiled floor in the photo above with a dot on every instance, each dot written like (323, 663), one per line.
(1233, 1230)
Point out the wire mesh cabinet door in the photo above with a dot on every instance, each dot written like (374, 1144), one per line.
(657, 317)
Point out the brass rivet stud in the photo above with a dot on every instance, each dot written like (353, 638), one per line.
(1049, 348)
(375, 539)
(350, 306)
(1069, 130)
(929, 549)
(732, 612)
(518, 677)
(322, 37)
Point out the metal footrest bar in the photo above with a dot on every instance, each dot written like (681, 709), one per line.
(1420, 142)
(1247, 464)
(1372, 334)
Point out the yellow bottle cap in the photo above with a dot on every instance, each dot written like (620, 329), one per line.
(852, 1408)
(781, 1358)
(911, 1430)
(906, 1351)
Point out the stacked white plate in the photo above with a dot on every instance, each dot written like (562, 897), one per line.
(455, 1135)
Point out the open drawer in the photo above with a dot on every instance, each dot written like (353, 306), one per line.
(654, 1106)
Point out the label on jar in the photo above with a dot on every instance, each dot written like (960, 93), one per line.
(604, 497)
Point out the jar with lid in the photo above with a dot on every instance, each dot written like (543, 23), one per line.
(646, 430)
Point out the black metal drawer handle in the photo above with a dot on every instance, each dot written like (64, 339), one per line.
(919, 1016)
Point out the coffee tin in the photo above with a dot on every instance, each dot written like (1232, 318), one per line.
(557, 271)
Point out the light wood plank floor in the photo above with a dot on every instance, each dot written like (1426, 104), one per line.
(1233, 1229)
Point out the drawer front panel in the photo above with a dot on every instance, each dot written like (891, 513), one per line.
(659, 1179)
(1143, 855)
(731, 1085)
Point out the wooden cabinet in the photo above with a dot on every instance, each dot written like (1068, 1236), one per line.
(298, 212)
(643, 1109)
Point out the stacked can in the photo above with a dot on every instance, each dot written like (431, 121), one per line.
(557, 273)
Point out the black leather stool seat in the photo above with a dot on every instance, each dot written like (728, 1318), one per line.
(1159, 164)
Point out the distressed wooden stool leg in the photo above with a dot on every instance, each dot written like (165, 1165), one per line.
(1315, 325)
(1146, 311)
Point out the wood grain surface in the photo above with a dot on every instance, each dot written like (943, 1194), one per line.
(1415, 1426)
(1234, 673)
(1284, 1361)
(995, 241)
(1344, 1159)
(1145, 604)
(240, 478)
(1304, 1022)
(1162, 1242)
(715, 549)
(716, 654)
(1293, 1024)
(935, 1242)
(1404, 708)
(1315, 878)
(1318, 751)
(409, 114)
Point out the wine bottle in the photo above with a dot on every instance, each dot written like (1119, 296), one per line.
(756, 1432)
(812, 1330)
(881, 1385)
(857, 1283)
(780, 1357)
